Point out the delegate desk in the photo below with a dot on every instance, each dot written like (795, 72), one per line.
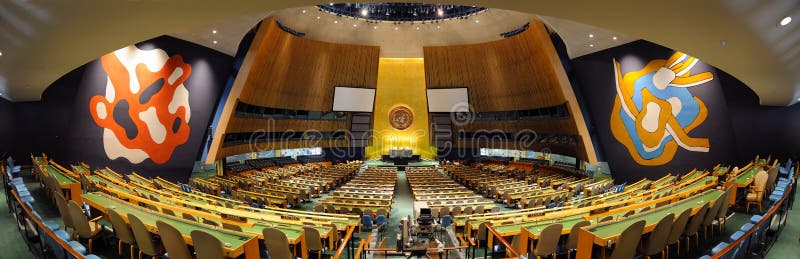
(65, 181)
(741, 181)
(608, 232)
(235, 243)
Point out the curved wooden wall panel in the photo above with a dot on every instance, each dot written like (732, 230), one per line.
(290, 72)
(564, 126)
(238, 124)
(509, 74)
(277, 145)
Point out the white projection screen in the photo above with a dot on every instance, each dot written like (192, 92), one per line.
(448, 100)
(351, 99)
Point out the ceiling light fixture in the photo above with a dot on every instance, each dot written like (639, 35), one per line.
(364, 12)
(437, 27)
(355, 25)
(213, 31)
(215, 42)
(304, 11)
(614, 38)
(374, 27)
(1, 53)
(591, 35)
(317, 17)
(477, 21)
(395, 28)
(440, 12)
(591, 45)
(417, 27)
(786, 20)
(335, 21)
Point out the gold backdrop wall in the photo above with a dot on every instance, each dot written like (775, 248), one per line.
(401, 81)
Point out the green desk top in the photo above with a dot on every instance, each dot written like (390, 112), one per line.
(721, 169)
(535, 227)
(613, 228)
(150, 218)
(697, 183)
(110, 175)
(40, 160)
(95, 178)
(744, 177)
(60, 176)
(80, 169)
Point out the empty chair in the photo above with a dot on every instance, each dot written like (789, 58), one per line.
(657, 241)
(369, 212)
(677, 230)
(628, 213)
(481, 237)
(456, 211)
(444, 211)
(606, 218)
(572, 240)
(710, 216)
(334, 235)
(173, 242)
(384, 212)
(313, 241)
(82, 227)
(479, 209)
(344, 210)
(167, 212)
(121, 230)
(189, 217)
(277, 244)
(143, 238)
(356, 211)
(694, 225)
(468, 210)
(548, 241)
(319, 208)
(723, 210)
(63, 209)
(329, 208)
(206, 246)
(366, 223)
(756, 192)
(628, 240)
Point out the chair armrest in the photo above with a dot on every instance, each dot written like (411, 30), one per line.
(96, 219)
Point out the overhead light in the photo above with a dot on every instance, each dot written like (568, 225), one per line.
(786, 20)
(591, 45)
(614, 38)
(215, 42)
(335, 21)
(364, 12)
(437, 26)
(395, 28)
(355, 25)
(591, 35)
(304, 11)
(331, 4)
(213, 31)
(374, 27)
(1, 53)
(317, 17)
(440, 12)
(477, 21)
(417, 27)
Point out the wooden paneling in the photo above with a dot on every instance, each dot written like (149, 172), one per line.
(291, 72)
(247, 148)
(238, 124)
(552, 126)
(509, 74)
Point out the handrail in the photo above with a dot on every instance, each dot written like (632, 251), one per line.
(346, 239)
(360, 248)
(509, 247)
(767, 216)
(46, 229)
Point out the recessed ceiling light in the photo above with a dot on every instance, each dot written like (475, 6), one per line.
(355, 25)
(331, 4)
(304, 11)
(786, 20)
(1, 53)
(364, 12)
(440, 12)
(395, 28)
(317, 17)
(614, 38)
(417, 27)
(374, 27)
(437, 27)
(591, 45)
(215, 42)
(335, 21)
(591, 35)
(477, 21)
(213, 31)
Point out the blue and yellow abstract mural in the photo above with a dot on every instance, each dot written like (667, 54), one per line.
(654, 112)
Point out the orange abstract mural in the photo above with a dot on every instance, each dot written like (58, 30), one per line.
(149, 83)
(654, 112)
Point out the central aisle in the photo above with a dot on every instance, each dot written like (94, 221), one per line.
(402, 206)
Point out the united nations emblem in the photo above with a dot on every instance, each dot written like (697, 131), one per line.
(401, 117)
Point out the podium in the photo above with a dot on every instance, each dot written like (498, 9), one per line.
(400, 156)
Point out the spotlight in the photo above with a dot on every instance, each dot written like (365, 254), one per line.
(317, 17)
(591, 45)
(364, 12)
(614, 38)
(786, 20)
(440, 12)
(335, 21)
(591, 35)
(304, 11)
(213, 31)
(355, 25)
(215, 42)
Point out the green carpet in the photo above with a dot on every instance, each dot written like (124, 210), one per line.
(788, 244)
(13, 246)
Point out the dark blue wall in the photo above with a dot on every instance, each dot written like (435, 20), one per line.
(61, 125)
